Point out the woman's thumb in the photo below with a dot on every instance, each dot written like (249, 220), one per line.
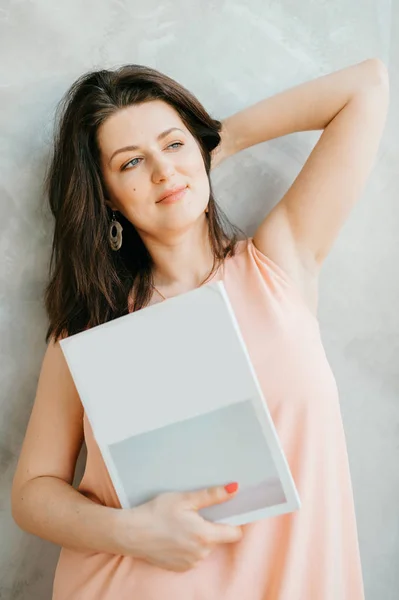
(212, 495)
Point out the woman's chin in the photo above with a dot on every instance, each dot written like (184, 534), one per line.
(182, 220)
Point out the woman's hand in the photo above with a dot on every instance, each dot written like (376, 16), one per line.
(168, 531)
(226, 147)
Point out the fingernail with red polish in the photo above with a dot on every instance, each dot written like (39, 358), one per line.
(231, 488)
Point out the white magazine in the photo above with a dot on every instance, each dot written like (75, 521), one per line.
(175, 405)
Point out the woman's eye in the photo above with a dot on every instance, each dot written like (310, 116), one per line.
(131, 162)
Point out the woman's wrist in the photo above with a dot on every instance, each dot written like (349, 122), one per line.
(126, 532)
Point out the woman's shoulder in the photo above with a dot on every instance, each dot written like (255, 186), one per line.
(249, 262)
(249, 266)
(241, 247)
(249, 256)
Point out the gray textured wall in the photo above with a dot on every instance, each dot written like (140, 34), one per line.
(229, 53)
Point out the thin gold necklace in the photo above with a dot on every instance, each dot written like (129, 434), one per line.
(158, 292)
(206, 280)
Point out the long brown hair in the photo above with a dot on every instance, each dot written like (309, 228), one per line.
(90, 283)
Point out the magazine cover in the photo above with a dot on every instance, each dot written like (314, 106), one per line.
(175, 405)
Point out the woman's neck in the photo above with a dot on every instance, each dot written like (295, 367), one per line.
(183, 263)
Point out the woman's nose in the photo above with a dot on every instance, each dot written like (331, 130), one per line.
(163, 169)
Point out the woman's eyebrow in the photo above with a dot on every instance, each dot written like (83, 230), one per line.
(131, 148)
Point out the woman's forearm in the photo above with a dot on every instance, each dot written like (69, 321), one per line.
(309, 106)
(53, 510)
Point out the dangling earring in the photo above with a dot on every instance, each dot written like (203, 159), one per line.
(115, 240)
(206, 210)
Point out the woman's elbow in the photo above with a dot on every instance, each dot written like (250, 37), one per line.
(20, 504)
(378, 72)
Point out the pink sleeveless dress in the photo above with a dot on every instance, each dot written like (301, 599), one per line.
(311, 554)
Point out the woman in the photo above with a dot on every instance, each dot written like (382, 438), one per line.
(127, 140)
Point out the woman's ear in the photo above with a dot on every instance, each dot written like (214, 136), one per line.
(110, 205)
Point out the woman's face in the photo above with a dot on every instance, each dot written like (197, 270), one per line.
(141, 160)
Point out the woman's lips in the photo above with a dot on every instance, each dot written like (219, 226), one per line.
(173, 197)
